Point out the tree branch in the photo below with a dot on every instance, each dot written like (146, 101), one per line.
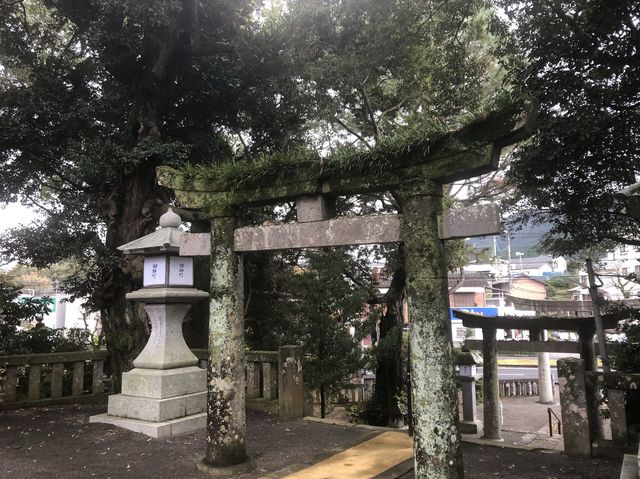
(622, 239)
(352, 131)
(370, 112)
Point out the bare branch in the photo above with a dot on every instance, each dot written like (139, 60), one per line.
(372, 117)
(352, 131)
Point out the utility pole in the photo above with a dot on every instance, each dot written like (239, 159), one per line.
(495, 256)
(509, 257)
(597, 315)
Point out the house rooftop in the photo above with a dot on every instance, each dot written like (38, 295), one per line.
(470, 280)
(533, 262)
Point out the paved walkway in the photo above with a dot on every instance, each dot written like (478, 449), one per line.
(364, 461)
(526, 424)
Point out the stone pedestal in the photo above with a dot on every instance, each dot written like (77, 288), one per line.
(469, 423)
(165, 394)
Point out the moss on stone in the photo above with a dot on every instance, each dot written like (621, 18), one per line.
(440, 151)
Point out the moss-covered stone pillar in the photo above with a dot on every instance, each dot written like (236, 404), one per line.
(225, 376)
(436, 438)
(290, 384)
(588, 355)
(575, 410)
(490, 385)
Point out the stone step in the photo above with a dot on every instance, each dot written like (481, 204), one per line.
(157, 410)
(164, 383)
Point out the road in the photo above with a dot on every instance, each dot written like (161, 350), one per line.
(510, 372)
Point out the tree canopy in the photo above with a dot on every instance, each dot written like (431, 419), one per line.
(94, 95)
(580, 60)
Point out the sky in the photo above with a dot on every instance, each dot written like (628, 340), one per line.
(14, 214)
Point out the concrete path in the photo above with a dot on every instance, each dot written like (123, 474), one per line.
(364, 461)
(526, 423)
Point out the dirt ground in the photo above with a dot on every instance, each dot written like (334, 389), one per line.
(482, 462)
(59, 442)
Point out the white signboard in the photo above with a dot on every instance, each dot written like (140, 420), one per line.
(180, 271)
(155, 270)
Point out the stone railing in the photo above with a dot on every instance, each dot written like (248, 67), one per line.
(52, 378)
(273, 380)
(354, 392)
(518, 387)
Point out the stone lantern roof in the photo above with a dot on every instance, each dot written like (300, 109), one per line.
(468, 358)
(166, 239)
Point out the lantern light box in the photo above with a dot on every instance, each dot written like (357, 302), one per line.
(166, 271)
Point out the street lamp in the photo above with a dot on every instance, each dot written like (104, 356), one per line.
(520, 254)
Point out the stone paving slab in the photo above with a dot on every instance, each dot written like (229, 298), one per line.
(364, 461)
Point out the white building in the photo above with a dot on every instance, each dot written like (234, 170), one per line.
(616, 272)
(67, 314)
(538, 266)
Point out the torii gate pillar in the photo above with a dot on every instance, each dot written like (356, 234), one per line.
(226, 418)
(435, 412)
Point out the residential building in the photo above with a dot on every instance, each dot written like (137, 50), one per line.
(539, 266)
(618, 273)
(522, 286)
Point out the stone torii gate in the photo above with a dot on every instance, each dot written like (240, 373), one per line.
(416, 169)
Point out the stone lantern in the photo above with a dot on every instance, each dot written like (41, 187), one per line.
(467, 363)
(165, 393)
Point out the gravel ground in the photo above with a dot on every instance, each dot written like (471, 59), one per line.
(58, 442)
(481, 462)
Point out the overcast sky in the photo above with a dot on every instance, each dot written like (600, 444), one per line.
(13, 215)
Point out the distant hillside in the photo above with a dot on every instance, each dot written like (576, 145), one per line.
(526, 241)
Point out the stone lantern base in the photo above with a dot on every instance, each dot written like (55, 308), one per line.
(166, 393)
(159, 403)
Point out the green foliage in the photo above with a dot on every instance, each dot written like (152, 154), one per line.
(313, 304)
(578, 59)
(328, 305)
(376, 161)
(14, 309)
(95, 95)
(557, 287)
(627, 352)
(375, 68)
(627, 358)
(43, 340)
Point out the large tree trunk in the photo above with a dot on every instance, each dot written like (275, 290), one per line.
(131, 208)
(129, 215)
(389, 378)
